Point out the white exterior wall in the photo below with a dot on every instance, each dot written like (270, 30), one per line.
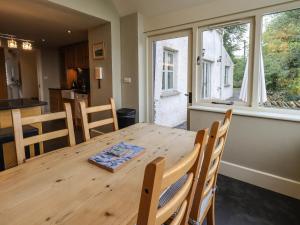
(170, 107)
(171, 110)
(213, 45)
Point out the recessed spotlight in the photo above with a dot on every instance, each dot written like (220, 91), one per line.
(43, 39)
(69, 31)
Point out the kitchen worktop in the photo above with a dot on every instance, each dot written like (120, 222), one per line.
(75, 90)
(7, 104)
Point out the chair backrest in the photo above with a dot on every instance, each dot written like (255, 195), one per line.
(86, 126)
(19, 122)
(211, 162)
(157, 180)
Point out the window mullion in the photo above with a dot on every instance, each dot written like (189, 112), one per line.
(256, 36)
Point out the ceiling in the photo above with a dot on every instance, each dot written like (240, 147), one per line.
(37, 20)
(154, 7)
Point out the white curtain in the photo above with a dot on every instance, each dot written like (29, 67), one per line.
(262, 92)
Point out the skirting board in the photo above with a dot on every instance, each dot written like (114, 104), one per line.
(265, 180)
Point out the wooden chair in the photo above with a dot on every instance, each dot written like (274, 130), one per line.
(156, 181)
(19, 122)
(87, 127)
(204, 199)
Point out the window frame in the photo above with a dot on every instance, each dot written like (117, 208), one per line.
(208, 64)
(226, 76)
(198, 100)
(165, 72)
(254, 14)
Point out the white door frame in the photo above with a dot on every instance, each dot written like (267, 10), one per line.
(150, 77)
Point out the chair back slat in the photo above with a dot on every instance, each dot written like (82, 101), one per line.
(211, 163)
(101, 123)
(21, 142)
(99, 108)
(43, 118)
(157, 180)
(175, 173)
(178, 218)
(87, 126)
(164, 213)
(45, 137)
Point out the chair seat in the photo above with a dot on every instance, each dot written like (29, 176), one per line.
(171, 191)
(204, 205)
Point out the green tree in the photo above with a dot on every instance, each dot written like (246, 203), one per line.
(233, 40)
(233, 37)
(281, 51)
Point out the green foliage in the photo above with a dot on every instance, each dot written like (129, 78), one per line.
(281, 51)
(233, 40)
(238, 73)
(233, 36)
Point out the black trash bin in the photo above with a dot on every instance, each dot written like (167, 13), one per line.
(126, 117)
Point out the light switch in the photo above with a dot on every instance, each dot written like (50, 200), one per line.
(127, 80)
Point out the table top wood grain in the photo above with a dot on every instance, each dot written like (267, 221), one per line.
(62, 187)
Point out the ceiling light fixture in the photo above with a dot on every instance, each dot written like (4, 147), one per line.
(11, 43)
(69, 31)
(43, 39)
(26, 45)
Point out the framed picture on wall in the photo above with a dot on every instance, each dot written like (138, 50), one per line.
(99, 50)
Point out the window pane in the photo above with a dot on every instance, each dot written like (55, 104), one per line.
(170, 80)
(226, 48)
(163, 81)
(281, 60)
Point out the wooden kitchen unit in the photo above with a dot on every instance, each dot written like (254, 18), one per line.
(28, 107)
(60, 96)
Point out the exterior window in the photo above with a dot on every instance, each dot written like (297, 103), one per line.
(168, 69)
(281, 60)
(227, 47)
(226, 77)
(206, 75)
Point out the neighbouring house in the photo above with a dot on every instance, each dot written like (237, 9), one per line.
(217, 72)
(171, 72)
(170, 82)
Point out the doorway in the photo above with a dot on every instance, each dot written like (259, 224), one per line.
(171, 79)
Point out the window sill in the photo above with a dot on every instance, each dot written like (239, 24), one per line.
(169, 93)
(251, 112)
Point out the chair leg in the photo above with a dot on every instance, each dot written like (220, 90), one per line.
(211, 214)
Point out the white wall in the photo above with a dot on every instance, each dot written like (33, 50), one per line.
(129, 59)
(28, 71)
(258, 147)
(213, 45)
(133, 44)
(103, 9)
(206, 10)
(170, 106)
(100, 96)
(50, 71)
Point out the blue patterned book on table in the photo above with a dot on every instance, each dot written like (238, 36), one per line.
(115, 157)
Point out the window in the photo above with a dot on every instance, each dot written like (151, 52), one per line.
(226, 46)
(226, 77)
(206, 79)
(280, 60)
(168, 69)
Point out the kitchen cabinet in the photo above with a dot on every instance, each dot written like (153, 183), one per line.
(78, 97)
(76, 56)
(55, 98)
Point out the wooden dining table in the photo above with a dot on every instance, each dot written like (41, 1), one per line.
(62, 187)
